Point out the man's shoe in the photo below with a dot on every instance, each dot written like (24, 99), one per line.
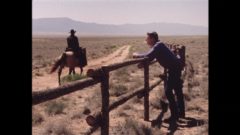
(170, 120)
(172, 127)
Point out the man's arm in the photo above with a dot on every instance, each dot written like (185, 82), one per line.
(138, 55)
(150, 54)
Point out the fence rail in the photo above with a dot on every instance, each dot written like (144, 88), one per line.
(48, 94)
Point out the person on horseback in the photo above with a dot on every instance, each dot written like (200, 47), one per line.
(73, 44)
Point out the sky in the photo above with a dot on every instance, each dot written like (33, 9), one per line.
(193, 12)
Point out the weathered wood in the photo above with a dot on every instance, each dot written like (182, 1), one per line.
(146, 89)
(91, 130)
(125, 63)
(141, 64)
(182, 55)
(94, 119)
(122, 99)
(95, 73)
(105, 102)
(48, 94)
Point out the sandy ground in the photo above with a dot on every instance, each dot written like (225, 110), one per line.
(80, 99)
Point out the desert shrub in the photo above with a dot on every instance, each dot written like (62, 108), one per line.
(204, 88)
(71, 78)
(195, 83)
(136, 100)
(117, 90)
(79, 114)
(187, 96)
(123, 114)
(60, 128)
(126, 107)
(136, 83)
(121, 72)
(137, 129)
(155, 103)
(94, 101)
(37, 118)
(55, 107)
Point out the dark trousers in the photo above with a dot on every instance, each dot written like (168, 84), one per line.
(174, 82)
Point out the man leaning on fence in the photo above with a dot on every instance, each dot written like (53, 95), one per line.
(169, 61)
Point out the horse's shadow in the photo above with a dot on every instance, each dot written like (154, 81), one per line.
(186, 122)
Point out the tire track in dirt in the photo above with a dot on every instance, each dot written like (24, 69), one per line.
(51, 81)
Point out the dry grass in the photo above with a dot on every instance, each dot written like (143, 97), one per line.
(117, 90)
(55, 107)
(37, 118)
(45, 50)
(57, 128)
(71, 78)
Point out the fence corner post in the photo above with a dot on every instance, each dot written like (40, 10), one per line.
(146, 87)
(105, 102)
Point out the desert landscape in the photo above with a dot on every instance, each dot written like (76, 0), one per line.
(66, 115)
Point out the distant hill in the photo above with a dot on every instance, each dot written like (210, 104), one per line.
(63, 25)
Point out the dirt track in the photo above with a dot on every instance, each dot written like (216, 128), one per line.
(50, 80)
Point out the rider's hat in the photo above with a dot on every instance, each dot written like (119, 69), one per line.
(72, 31)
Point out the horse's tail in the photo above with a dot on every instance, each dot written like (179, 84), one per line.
(58, 63)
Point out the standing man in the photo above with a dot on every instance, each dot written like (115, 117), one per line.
(169, 61)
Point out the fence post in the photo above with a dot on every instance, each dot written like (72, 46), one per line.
(105, 102)
(182, 51)
(146, 87)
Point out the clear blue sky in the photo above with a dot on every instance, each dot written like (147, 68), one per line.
(194, 12)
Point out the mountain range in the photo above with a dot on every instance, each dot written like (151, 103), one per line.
(63, 25)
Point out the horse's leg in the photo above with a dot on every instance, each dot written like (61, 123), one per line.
(59, 74)
(70, 71)
(81, 70)
(74, 71)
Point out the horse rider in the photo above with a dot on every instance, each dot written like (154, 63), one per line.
(73, 45)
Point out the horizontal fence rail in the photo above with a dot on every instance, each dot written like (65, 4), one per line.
(48, 94)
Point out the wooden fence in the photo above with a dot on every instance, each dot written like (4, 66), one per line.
(101, 75)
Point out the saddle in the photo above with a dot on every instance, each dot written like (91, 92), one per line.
(80, 54)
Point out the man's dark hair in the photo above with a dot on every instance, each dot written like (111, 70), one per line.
(153, 35)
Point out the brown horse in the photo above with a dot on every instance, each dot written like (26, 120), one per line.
(67, 59)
